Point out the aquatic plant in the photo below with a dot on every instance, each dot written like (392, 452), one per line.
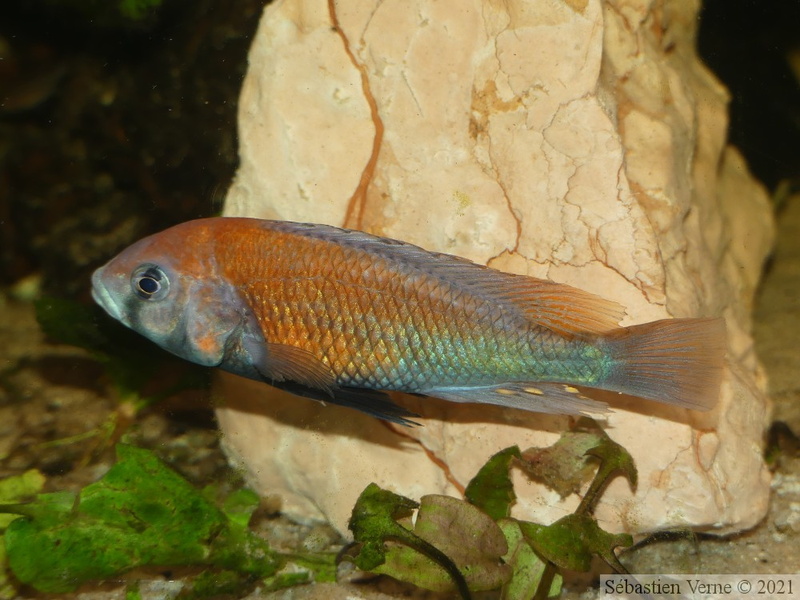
(474, 544)
(141, 513)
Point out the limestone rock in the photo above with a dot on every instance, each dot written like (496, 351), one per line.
(576, 140)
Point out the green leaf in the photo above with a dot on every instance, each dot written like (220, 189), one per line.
(18, 488)
(527, 568)
(240, 505)
(7, 588)
(491, 489)
(374, 522)
(467, 536)
(13, 490)
(49, 509)
(317, 567)
(613, 459)
(570, 542)
(563, 466)
(140, 513)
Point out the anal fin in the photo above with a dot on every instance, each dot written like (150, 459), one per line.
(551, 398)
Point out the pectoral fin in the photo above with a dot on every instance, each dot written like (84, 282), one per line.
(301, 373)
(283, 362)
(374, 403)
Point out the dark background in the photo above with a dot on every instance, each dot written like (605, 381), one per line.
(112, 128)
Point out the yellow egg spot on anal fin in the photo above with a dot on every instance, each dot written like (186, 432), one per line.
(545, 397)
(533, 390)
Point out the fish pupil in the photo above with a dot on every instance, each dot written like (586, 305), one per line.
(150, 283)
(148, 286)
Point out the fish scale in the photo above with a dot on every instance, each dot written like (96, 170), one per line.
(427, 345)
(342, 315)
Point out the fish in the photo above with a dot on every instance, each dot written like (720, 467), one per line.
(344, 317)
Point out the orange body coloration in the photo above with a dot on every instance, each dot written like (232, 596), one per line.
(341, 315)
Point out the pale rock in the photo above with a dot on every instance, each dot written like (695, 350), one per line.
(577, 140)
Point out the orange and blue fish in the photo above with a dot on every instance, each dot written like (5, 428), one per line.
(343, 316)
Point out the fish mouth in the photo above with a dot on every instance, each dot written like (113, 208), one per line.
(103, 297)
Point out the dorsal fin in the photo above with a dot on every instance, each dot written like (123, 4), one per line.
(556, 306)
(560, 307)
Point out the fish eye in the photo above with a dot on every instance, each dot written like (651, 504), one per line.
(149, 282)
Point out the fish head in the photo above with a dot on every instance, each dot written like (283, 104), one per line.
(167, 287)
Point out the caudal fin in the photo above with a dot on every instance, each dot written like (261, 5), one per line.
(676, 361)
